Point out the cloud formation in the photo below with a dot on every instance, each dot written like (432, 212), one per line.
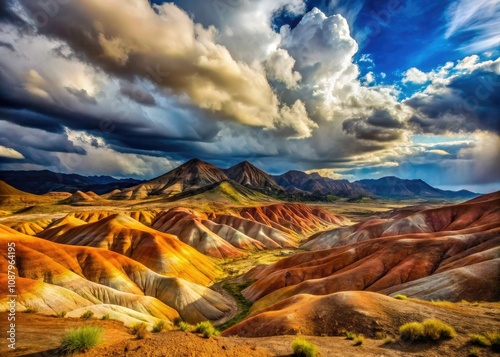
(154, 85)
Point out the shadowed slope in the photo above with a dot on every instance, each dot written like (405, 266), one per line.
(105, 277)
(193, 174)
(162, 253)
(248, 175)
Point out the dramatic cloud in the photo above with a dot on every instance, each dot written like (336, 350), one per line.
(10, 153)
(168, 49)
(280, 67)
(134, 88)
(464, 102)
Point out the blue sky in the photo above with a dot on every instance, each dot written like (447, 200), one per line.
(352, 89)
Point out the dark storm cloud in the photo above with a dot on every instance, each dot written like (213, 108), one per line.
(7, 45)
(7, 14)
(380, 126)
(137, 94)
(471, 102)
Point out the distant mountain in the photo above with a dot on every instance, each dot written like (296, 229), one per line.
(191, 175)
(248, 175)
(395, 187)
(40, 182)
(298, 181)
(197, 176)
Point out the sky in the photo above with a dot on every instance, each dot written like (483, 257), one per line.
(352, 89)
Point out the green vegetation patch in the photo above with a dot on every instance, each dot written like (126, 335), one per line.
(303, 348)
(81, 339)
(235, 289)
(429, 329)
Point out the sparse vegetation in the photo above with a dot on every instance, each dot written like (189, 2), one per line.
(494, 338)
(159, 326)
(400, 297)
(359, 340)
(184, 326)
(447, 304)
(61, 314)
(243, 304)
(388, 340)
(411, 331)
(87, 315)
(303, 348)
(105, 317)
(206, 329)
(177, 321)
(140, 330)
(479, 340)
(81, 339)
(30, 309)
(349, 335)
(380, 335)
(429, 329)
(474, 352)
(438, 330)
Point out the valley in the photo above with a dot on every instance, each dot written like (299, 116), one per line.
(195, 245)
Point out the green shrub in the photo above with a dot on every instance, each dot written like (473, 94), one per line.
(303, 348)
(207, 329)
(412, 331)
(140, 330)
(429, 329)
(159, 326)
(184, 326)
(87, 315)
(400, 297)
(474, 352)
(380, 335)
(358, 341)
(349, 335)
(61, 314)
(494, 338)
(81, 339)
(479, 340)
(177, 321)
(437, 330)
(105, 317)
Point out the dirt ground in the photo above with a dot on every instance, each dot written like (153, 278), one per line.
(41, 336)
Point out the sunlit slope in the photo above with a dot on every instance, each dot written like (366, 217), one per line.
(162, 253)
(472, 215)
(105, 277)
(247, 229)
(356, 311)
(461, 262)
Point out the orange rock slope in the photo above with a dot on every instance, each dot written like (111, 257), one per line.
(453, 254)
(55, 278)
(160, 252)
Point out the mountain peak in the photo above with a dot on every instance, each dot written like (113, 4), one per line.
(248, 175)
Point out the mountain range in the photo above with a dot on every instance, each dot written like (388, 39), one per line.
(196, 177)
(44, 181)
